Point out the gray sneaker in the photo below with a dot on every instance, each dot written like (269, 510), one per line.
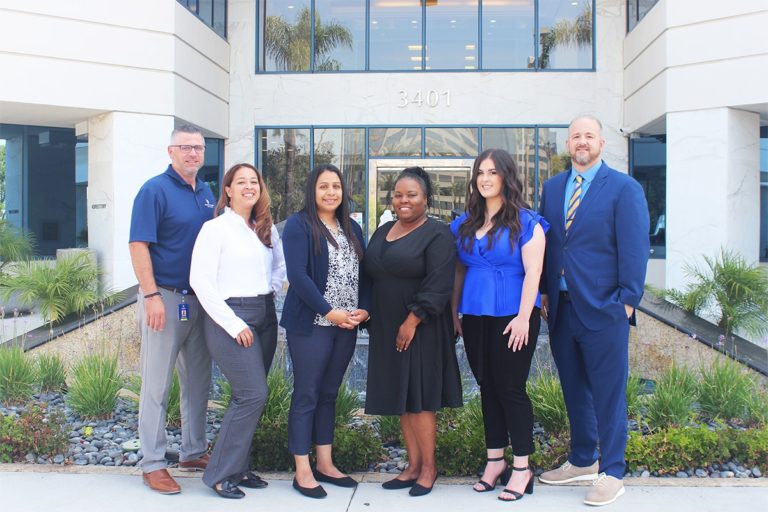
(569, 473)
(605, 490)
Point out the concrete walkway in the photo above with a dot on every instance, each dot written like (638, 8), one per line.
(25, 488)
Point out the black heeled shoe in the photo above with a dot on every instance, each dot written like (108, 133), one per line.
(310, 492)
(228, 490)
(396, 483)
(252, 481)
(341, 481)
(503, 476)
(528, 488)
(420, 490)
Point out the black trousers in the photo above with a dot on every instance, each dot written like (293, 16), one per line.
(246, 369)
(501, 375)
(320, 360)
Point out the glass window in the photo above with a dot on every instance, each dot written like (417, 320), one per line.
(205, 11)
(508, 34)
(220, 18)
(394, 142)
(520, 143)
(649, 167)
(636, 11)
(345, 148)
(553, 155)
(452, 35)
(212, 169)
(565, 34)
(284, 158)
(764, 193)
(339, 35)
(450, 142)
(395, 35)
(287, 34)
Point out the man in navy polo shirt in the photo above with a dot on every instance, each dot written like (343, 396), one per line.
(168, 212)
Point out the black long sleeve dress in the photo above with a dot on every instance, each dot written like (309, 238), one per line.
(412, 274)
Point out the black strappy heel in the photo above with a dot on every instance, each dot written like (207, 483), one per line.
(528, 488)
(504, 475)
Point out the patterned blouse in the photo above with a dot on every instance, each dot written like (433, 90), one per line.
(343, 276)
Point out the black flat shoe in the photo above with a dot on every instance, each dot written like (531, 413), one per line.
(341, 481)
(528, 488)
(420, 490)
(313, 492)
(253, 481)
(396, 483)
(228, 490)
(503, 477)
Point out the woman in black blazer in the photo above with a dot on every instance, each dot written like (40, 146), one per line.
(326, 301)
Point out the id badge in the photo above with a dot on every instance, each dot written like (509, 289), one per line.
(183, 312)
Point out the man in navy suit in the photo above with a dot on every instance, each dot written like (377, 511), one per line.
(594, 271)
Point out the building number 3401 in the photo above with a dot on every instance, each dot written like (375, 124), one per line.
(431, 98)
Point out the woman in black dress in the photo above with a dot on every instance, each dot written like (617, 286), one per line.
(412, 366)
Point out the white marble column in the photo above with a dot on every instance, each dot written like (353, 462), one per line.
(713, 187)
(124, 150)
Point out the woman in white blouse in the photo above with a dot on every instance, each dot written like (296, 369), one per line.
(237, 265)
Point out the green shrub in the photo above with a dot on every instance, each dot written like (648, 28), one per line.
(388, 428)
(552, 454)
(32, 432)
(677, 449)
(460, 449)
(672, 403)
(279, 399)
(751, 446)
(347, 404)
(635, 386)
(757, 409)
(725, 390)
(17, 375)
(51, 373)
(95, 384)
(548, 403)
(173, 414)
(269, 450)
(355, 448)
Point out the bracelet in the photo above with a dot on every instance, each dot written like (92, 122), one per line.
(150, 295)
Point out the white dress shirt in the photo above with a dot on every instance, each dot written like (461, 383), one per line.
(229, 260)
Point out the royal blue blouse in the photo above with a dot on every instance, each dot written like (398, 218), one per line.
(493, 283)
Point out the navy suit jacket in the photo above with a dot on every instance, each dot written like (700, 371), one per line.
(308, 276)
(604, 256)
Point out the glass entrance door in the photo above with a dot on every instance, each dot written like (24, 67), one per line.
(449, 180)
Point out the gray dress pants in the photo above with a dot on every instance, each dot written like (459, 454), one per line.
(180, 344)
(246, 370)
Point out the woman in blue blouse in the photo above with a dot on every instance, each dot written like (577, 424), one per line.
(500, 246)
(326, 301)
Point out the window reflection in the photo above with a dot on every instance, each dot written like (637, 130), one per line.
(452, 35)
(394, 142)
(649, 167)
(284, 157)
(395, 35)
(345, 148)
(450, 142)
(508, 34)
(553, 155)
(339, 35)
(565, 34)
(518, 142)
(287, 32)
(763, 193)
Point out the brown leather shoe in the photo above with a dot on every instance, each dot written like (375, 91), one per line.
(161, 481)
(195, 465)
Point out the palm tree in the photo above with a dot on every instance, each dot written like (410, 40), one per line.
(567, 32)
(289, 46)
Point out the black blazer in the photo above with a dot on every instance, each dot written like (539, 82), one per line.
(308, 275)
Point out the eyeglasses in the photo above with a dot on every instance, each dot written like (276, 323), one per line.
(185, 148)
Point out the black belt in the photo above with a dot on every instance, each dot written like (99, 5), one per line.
(177, 291)
(565, 296)
(245, 301)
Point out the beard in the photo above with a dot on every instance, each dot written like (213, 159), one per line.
(583, 158)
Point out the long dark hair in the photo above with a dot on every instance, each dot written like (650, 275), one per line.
(342, 212)
(511, 201)
(261, 218)
(422, 178)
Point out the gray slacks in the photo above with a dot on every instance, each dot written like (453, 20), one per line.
(246, 370)
(180, 344)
